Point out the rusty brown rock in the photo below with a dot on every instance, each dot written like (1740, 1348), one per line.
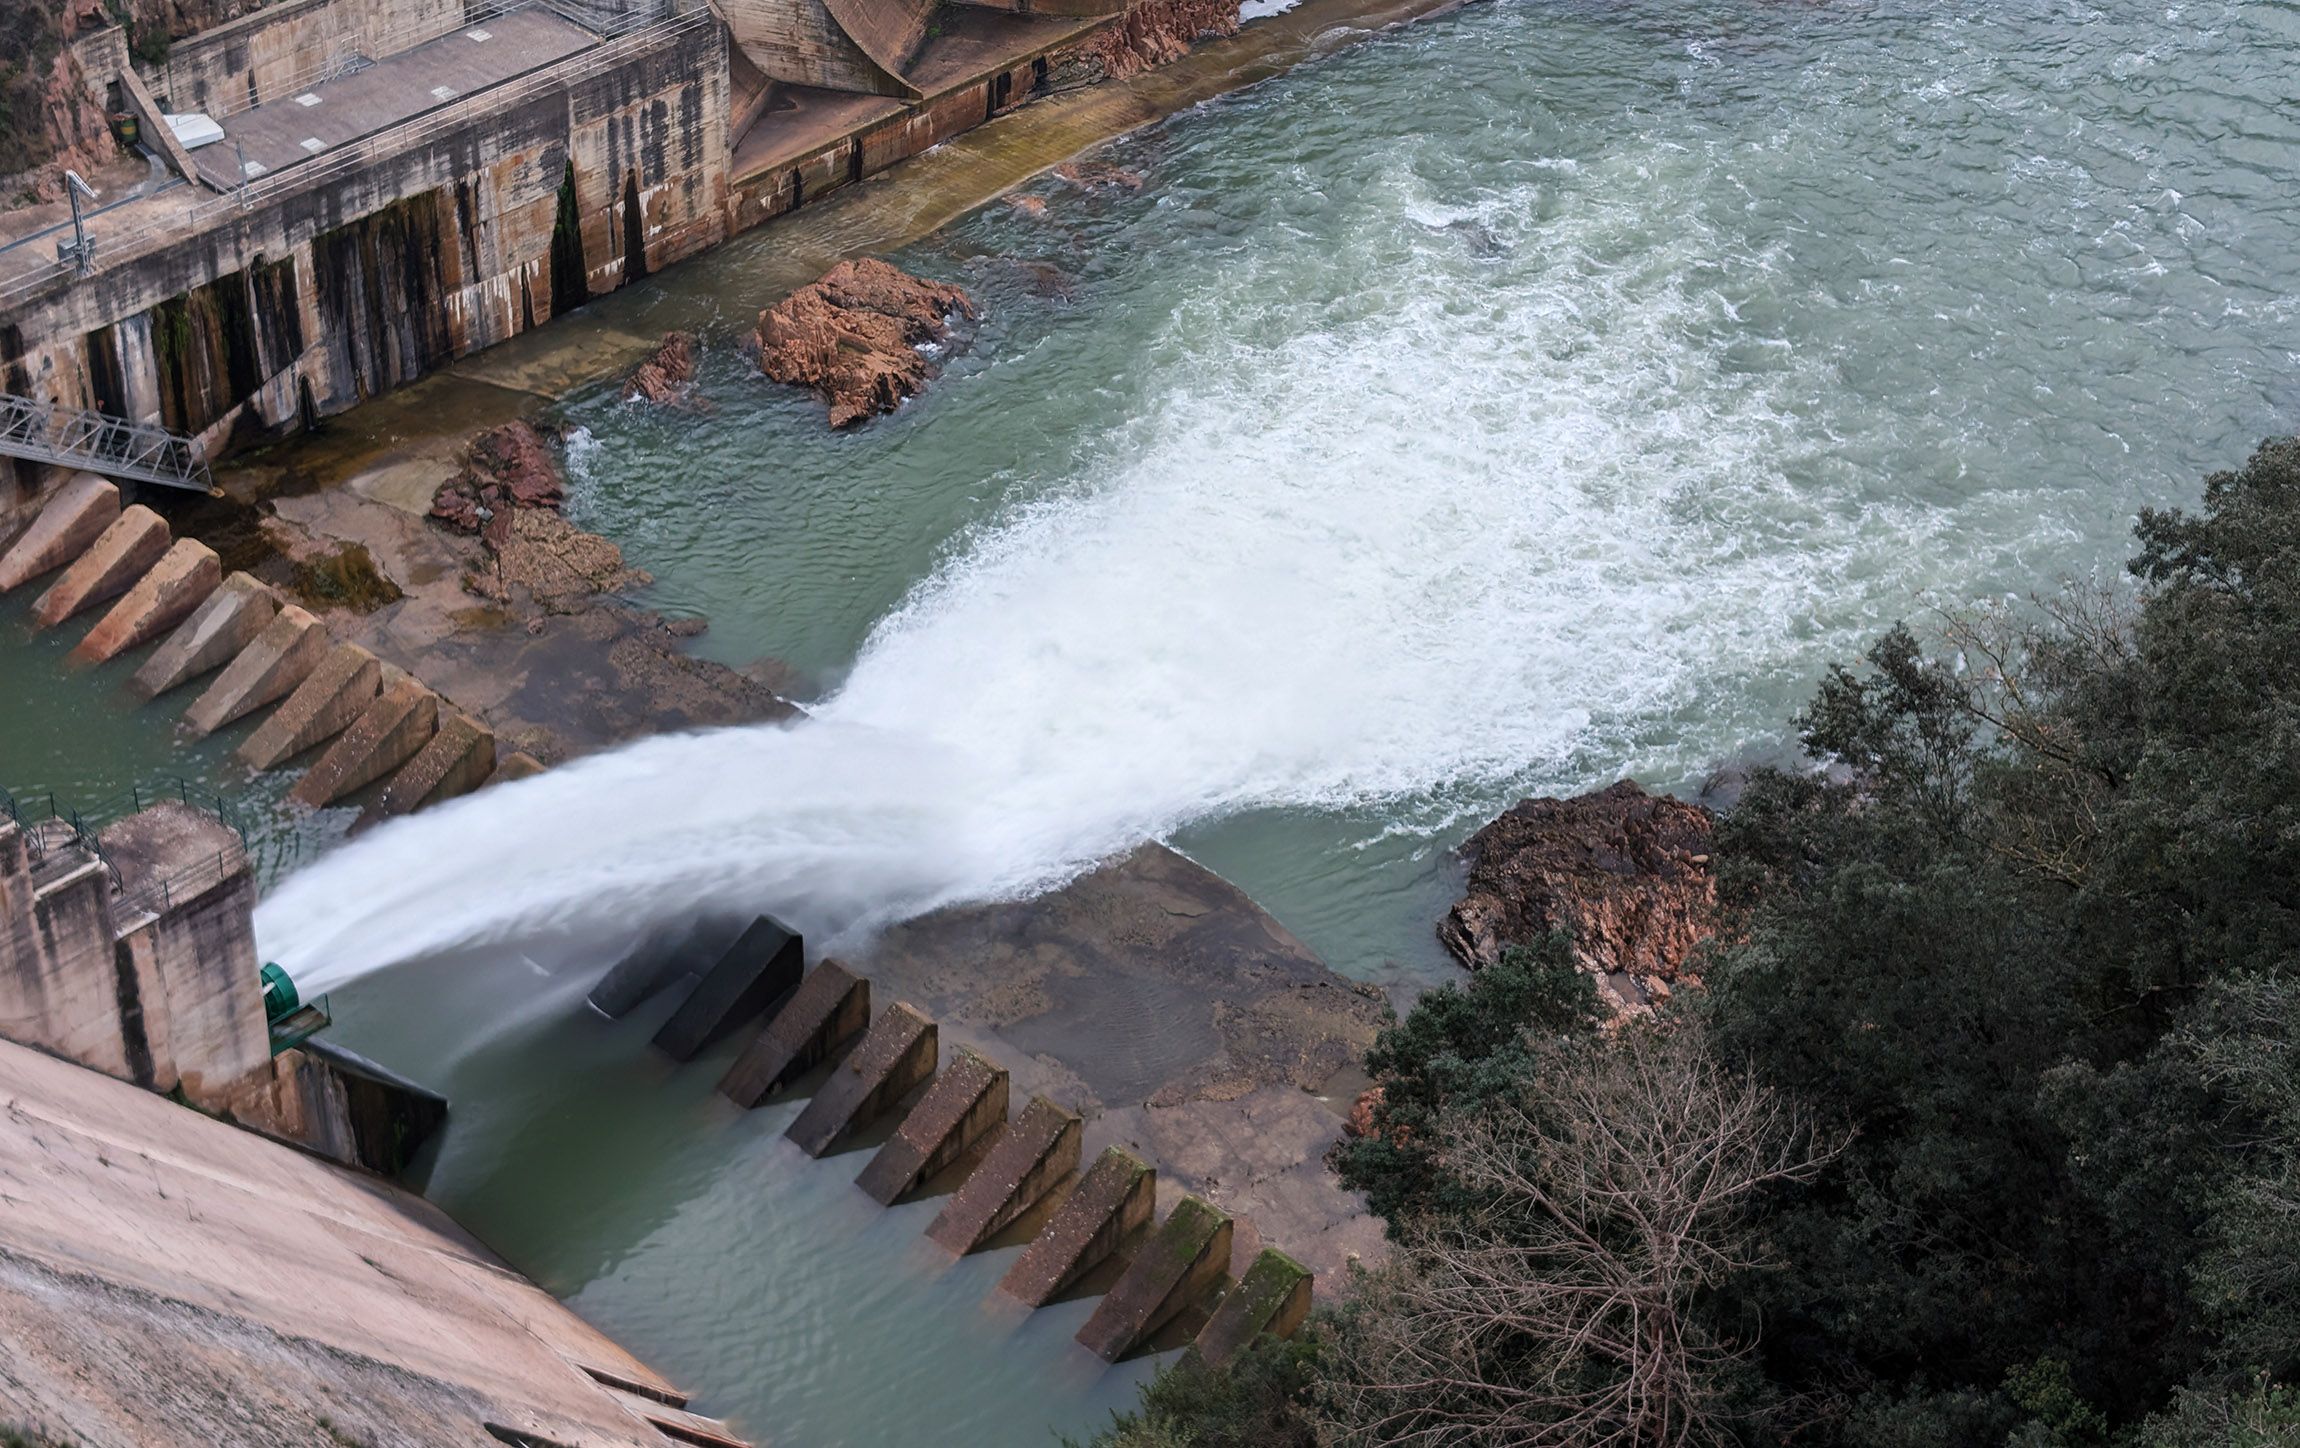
(505, 468)
(853, 337)
(1360, 1121)
(1625, 872)
(666, 377)
(1156, 32)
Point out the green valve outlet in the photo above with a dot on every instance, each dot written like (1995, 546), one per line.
(280, 998)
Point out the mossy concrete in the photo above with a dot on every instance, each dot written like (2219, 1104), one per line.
(895, 1055)
(1175, 1270)
(1273, 1297)
(966, 1102)
(1115, 1202)
(1036, 1153)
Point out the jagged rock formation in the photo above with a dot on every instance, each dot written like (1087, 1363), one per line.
(1155, 32)
(1626, 872)
(854, 337)
(509, 493)
(666, 377)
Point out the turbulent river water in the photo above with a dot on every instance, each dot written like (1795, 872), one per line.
(1528, 397)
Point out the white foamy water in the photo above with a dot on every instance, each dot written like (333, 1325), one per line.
(1440, 541)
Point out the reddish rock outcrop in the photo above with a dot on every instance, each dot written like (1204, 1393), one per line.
(1360, 1121)
(1626, 872)
(854, 337)
(1155, 32)
(666, 378)
(505, 469)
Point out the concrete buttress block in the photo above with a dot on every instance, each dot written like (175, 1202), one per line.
(660, 959)
(1273, 1297)
(329, 700)
(118, 557)
(1035, 1154)
(762, 966)
(456, 761)
(1116, 1200)
(965, 1102)
(392, 731)
(896, 1053)
(281, 657)
(830, 1008)
(76, 517)
(168, 592)
(1176, 1268)
(217, 630)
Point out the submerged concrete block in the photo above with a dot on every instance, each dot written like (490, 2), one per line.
(281, 657)
(1036, 1153)
(225, 623)
(683, 948)
(456, 760)
(762, 965)
(122, 554)
(1174, 1270)
(965, 1102)
(392, 731)
(830, 1008)
(328, 701)
(169, 590)
(518, 764)
(1273, 1297)
(76, 517)
(896, 1053)
(1116, 1200)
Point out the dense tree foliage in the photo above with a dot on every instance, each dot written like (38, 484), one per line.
(2012, 979)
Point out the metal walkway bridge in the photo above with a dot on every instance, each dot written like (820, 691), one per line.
(100, 443)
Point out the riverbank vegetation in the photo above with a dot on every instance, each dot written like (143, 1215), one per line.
(1986, 1130)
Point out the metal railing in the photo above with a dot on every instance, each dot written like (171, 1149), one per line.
(680, 17)
(157, 897)
(50, 825)
(100, 443)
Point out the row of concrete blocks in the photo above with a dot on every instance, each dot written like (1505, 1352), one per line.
(383, 722)
(1028, 1164)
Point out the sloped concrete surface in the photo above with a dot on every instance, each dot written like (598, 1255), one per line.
(1273, 1297)
(456, 761)
(392, 731)
(831, 1005)
(965, 1102)
(76, 517)
(281, 657)
(325, 704)
(1034, 1156)
(763, 964)
(897, 1053)
(225, 623)
(112, 564)
(1175, 1269)
(1117, 1199)
(180, 582)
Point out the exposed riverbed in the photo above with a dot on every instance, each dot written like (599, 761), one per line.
(1531, 396)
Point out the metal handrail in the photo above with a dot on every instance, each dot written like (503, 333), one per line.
(100, 442)
(157, 897)
(416, 130)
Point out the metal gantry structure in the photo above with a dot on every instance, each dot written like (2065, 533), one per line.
(113, 447)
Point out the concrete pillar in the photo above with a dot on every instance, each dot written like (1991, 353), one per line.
(762, 966)
(1273, 1297)
(187, 916)
(897, 1053)
(179, 583)
(325, 704)
(281, 657)
(118, 557)
(227, 622)
(1116, 1201)
(665, 956)
(966, 1102)
(1175, 1270)
(830, 1007)
(338, 1104)
(392, 731)
(61, 991)
(456, 760)
(76, 517)
(1035, 1154)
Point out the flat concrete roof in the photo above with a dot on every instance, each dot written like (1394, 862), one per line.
(292, 129)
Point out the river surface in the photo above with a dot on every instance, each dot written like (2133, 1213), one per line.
(1531, 396)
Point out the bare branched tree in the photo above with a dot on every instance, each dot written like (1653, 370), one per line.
(1559, 1310)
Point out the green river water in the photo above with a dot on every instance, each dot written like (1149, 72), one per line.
(1530, 396)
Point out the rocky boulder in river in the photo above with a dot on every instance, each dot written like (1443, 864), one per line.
(854, 337)
(667, 377)
(1625, 872)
